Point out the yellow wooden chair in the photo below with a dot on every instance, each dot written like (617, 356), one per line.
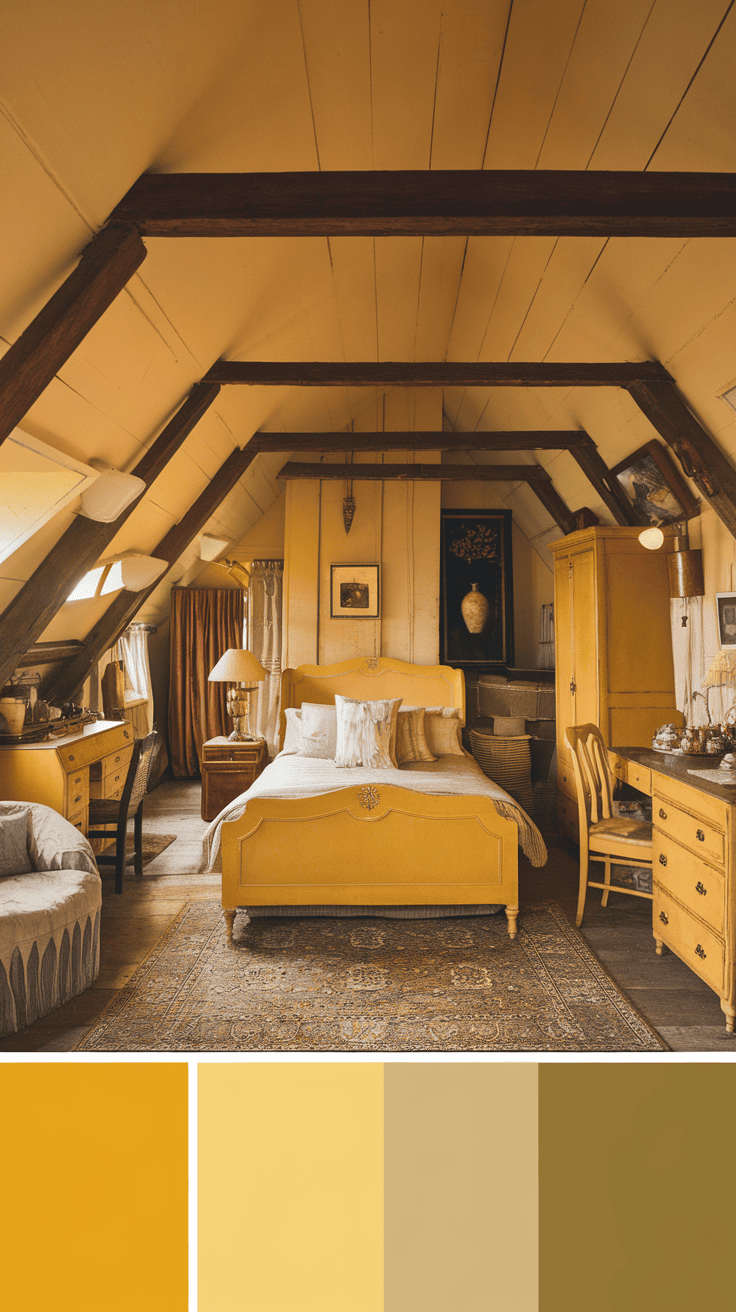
(612, 839)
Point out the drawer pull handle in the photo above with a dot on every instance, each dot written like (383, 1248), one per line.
(662, 814)
(117, 758)
(662, 859)
(700, 953)
(700, 888)
(664, 917)
(71, 758)
(78, 798)
(700, 836)
(126, 734)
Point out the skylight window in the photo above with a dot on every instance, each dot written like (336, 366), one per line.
(114, 580)
(98, 582)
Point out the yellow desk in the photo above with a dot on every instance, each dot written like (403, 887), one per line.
(694, 870)
(57, 772)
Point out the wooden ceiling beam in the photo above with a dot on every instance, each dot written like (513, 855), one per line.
(80, 547)
(105, 266)
(468, 202)
(264, 373)
(420, 473)
(68, 680)
(522, 440)
(701, 459)
(608, 488)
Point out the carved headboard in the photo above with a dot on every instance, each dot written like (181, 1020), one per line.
(373, 678)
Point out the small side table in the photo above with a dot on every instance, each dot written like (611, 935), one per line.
(228, 768)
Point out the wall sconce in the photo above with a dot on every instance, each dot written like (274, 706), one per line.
(210, 548)
(236, 569)
(139, 572)
(685, 564)
(110, 494)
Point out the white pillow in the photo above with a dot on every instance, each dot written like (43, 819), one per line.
(293, 735)
(442, 729)
(366, 733)
(411, 741)
(319, 731)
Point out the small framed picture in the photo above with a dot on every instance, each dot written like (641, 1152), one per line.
(354, 592)
(726, 613)
(655, 489)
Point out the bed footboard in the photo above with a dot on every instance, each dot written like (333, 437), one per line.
(372, 846)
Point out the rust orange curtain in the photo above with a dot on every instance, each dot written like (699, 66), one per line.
(204, 623)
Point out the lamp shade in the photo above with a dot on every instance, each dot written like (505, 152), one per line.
(722, 672)
(139, 572)
(237, 666)
(110, 495)
(210, 548)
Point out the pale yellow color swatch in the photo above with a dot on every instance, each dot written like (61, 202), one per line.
(461, 1187)
(291, 1187)
(93, 1205)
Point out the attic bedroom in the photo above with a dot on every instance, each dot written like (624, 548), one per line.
(373, 355)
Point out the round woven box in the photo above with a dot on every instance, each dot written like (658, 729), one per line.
(508, 762)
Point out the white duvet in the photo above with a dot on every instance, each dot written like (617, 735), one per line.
(290, 776)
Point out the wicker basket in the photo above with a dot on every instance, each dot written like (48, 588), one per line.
(508, 762)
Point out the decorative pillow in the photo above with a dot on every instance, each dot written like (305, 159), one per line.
(14, 826)
(319, 731)
(293, 738)
(366, 732)
(442, 729)
(411, 741)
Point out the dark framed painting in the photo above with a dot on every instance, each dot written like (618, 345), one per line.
(726, 613)
(354, 592)
(655, 489)
(476, 592)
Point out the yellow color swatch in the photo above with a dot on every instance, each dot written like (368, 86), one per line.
(93, 1205)
(291, 1187)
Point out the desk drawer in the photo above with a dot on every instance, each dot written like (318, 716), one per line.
(691, 830)
(691, 881)
(567, 816)
(690, 798)
(77, 795)
(638, 776)
(700, 949)
(117, 763)
(566, 781)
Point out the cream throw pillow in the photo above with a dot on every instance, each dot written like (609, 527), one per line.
(442, 729)
(319, 731)
(366, 733)
(411, 741)
(293, 740)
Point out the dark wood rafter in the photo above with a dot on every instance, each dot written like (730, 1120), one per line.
(391, 373)
(422, 473)
(106, 265)
(67, 681)
(608, 488)
(700, 457)
(468, 202)
(535, 475)
(79, 548)
(521, 440)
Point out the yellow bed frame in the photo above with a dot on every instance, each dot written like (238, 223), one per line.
(369, 845)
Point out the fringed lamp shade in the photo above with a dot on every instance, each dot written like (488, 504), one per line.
(722, 674)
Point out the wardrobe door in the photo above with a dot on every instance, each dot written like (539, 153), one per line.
(584, 639)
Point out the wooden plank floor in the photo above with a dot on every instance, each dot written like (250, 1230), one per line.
(675, 1001)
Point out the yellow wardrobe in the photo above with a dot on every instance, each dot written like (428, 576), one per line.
(613, 645)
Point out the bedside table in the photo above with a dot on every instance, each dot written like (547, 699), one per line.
(228, 768)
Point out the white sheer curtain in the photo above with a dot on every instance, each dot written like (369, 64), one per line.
(264, 640)
(134, 651)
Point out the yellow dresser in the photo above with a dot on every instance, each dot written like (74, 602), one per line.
(613, 645)
(694, 871)
(63, 772)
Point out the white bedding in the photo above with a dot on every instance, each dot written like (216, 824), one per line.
(290, 776)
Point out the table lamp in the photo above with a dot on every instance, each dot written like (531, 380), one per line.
(722, 674)
(245, 672)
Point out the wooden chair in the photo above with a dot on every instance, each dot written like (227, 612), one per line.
(612, 839)
(118, 811)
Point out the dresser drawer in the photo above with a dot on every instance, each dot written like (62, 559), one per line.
(689, 797)
(691, 830)
(638, 776)
(566, 781)
(691, 881)
(698, 947)
(567, 816)
(77, 794)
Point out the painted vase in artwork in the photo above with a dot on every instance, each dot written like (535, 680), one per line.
(475, 610)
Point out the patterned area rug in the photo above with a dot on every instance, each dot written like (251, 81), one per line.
(313, 985)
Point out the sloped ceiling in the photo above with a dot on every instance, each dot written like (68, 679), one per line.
(94, 93)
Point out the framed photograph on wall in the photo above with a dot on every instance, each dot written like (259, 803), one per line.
(726, 615)
(476, 595)
(655, 489)
(354, 592)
